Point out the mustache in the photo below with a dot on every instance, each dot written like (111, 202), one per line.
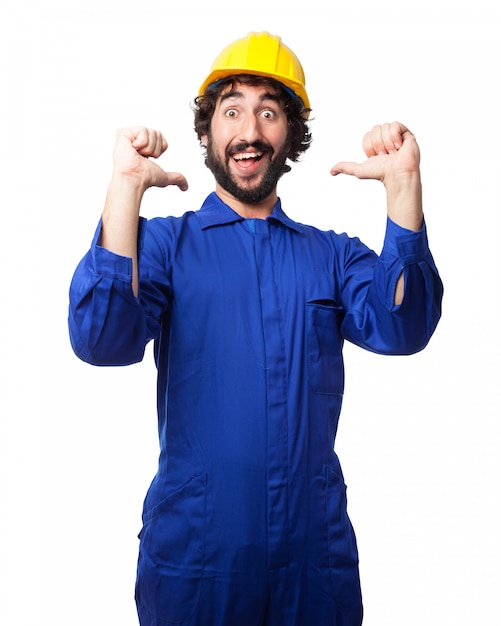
(256, 146)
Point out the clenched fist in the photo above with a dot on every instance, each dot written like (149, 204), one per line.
(392, 152)
(393, 157)
(134, 150)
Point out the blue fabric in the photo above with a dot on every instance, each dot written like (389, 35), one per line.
(246, 521)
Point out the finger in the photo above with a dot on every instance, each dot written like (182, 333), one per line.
(372, 141)
(388, 136)
(160, 145)
(397, 132)
(155, 146)
(149, 142)
(384, 139)
(140, 137)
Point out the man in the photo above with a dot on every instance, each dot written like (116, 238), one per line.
(245, 522)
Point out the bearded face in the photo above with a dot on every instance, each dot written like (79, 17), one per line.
(248, 142)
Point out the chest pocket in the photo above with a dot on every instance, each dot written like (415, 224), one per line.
(324, 346)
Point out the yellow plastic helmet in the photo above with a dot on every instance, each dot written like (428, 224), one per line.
(260, 54)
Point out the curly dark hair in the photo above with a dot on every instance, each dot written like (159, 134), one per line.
(297, 115)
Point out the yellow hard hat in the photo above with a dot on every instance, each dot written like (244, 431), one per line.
(260, 54)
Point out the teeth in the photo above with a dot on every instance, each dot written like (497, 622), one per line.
(247, 155)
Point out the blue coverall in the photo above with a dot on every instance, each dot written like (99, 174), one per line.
(245, 522)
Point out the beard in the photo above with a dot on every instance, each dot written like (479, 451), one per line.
(221, 172)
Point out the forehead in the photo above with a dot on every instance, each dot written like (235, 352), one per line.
(237, 91)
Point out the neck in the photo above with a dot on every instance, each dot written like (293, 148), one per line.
(260, 210)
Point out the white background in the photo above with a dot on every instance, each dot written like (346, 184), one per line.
(419, 437)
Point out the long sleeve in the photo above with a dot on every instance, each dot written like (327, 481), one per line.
(108, 325)
(372, 320)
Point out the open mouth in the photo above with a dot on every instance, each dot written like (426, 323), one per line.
(243, 157)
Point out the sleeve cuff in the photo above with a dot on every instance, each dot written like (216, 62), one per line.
(410, 246)
(110, 264)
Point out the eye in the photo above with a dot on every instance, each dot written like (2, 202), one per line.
(268, 114)
(231, 113)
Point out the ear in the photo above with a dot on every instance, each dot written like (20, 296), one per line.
(203, 140)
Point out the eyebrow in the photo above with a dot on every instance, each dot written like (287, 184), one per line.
(267, 95)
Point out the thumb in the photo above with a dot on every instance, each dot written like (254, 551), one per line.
(172, 179)
(345, 167)
(179, 180)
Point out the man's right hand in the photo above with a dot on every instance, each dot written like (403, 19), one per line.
(133, 172)
(131, 159)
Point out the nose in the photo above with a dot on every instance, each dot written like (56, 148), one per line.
(249, 130)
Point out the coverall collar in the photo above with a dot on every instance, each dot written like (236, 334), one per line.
(214, 212)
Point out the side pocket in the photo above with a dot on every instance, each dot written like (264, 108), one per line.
(342, 546)
(172, 552)
(324, 345)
